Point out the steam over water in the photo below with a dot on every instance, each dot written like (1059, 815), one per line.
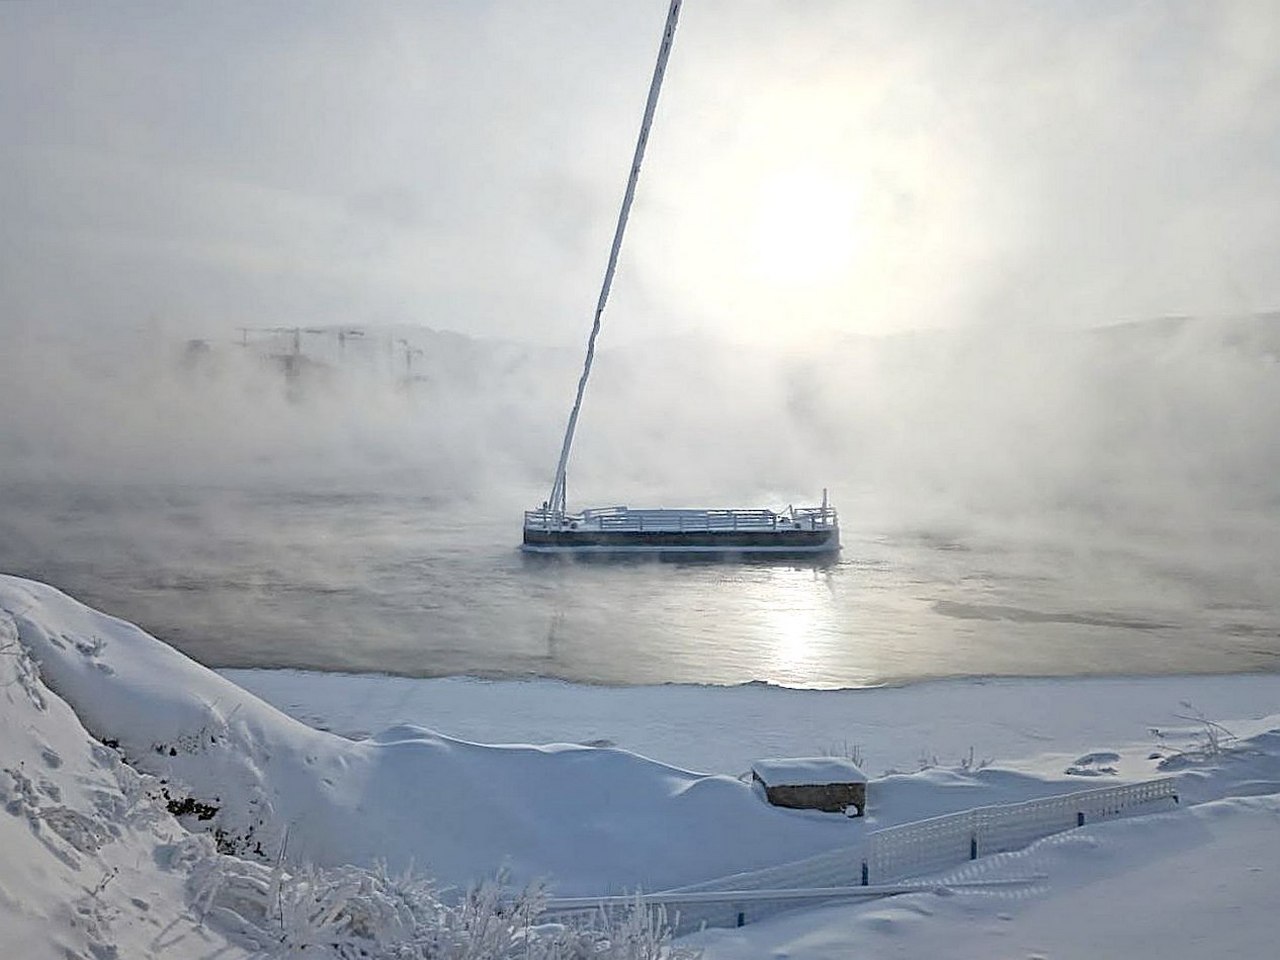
(1097, 501)
(879, 248)
(360, 581)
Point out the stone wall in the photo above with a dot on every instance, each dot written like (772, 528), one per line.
(828, 797)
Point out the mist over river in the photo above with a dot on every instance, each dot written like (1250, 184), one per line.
(294, 301)
(393, 582)
(1012, 502)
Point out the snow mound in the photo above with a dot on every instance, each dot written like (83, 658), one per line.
(93, 865)
(302, 837)
(593, 820)
(85, 842)
(807, 771)
(1169, 886)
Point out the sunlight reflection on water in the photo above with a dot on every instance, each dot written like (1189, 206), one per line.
(401, 585)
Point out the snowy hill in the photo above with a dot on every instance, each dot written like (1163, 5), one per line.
(594, 820)
(157, 809)
(92, 860)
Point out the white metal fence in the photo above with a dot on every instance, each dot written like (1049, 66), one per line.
(885, 857)
(687, 912)
(927, 846)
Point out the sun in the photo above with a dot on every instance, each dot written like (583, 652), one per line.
(805, 228)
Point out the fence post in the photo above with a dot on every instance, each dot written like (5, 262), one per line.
(865, 875)
(1079, 818)
(973, 845)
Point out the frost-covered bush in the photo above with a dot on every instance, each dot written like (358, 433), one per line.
(1210, 741)
(353, 913)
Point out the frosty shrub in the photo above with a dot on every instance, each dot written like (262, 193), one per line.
(1210, 742)
(346, 913)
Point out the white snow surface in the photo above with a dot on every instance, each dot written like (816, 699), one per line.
(1025, 734)
(592, 820)
(1196, 883)
(807, 771)
(92, 865)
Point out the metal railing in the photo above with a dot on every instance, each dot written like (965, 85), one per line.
(927, 846)
(688, 912)
(878, 865)
(683, 520)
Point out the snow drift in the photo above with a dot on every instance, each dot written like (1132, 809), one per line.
(591, 820)
(300, 836)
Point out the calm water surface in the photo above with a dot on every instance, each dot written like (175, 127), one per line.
(398, 583)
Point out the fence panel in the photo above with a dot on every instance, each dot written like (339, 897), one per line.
(928, 846)
(835, 868)
(925, 846)
(998, 831)
(895, 853)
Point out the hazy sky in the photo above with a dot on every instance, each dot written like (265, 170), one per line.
(815, 166)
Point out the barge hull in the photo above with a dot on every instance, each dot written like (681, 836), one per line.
(688, 542)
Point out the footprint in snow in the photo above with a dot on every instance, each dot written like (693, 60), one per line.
(89, 646)
(84, 833)
(49, 789)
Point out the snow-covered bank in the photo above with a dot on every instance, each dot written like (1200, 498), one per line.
(1197, 883)
(1035, 726)
(91, 860)
(592, 820)
(95, 866)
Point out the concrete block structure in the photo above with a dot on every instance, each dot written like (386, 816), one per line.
(830, 784)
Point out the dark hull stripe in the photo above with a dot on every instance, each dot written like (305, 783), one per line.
(729, 541)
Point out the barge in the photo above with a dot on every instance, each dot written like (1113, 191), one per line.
(622, 530)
